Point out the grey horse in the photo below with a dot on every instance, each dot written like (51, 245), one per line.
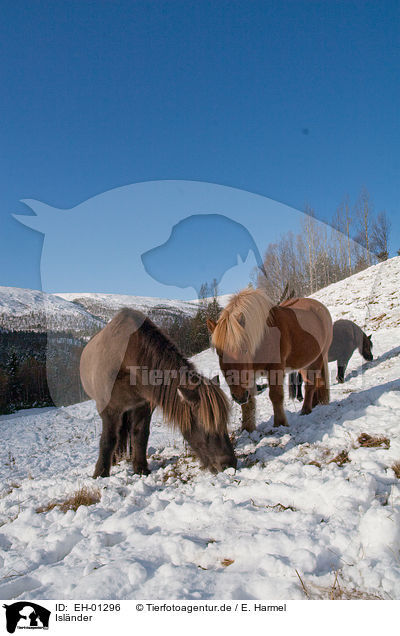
(347, 337)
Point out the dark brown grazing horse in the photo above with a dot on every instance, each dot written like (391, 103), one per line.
(253, 336)
(129, 368)
(347, 337)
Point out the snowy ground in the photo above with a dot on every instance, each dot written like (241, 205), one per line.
(288, 512)
(183, 533)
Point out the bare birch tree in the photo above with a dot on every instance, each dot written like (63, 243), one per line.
(318, 256)
(380, 236)
(363, 211)
(309, 231)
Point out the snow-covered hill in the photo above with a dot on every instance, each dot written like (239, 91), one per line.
(106, 305)
(314, 501)
(33, 310)
(370, 298)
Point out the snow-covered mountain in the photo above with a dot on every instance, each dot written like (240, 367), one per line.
(80, 313)
(33, 310)
(106, 305)
(317, 501)
(223, 299)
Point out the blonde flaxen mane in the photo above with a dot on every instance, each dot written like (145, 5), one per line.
(243, 322)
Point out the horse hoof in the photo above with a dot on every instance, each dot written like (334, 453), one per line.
(305, 411)
(141, 470)
(283, 423)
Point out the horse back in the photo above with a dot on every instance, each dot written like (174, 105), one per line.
(103, 356)
(313, 318)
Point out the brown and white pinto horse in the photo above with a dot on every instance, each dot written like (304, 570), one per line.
(255, 337)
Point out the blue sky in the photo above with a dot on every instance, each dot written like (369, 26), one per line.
(296, 101)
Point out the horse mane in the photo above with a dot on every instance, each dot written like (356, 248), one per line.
(158, 352)
(243, 323)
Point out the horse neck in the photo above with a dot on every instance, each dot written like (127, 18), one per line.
(364, 338)
(174, 366)
(359, 337)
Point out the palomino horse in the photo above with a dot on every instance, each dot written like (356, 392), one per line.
(129, 368)
(347, 337)
(253, 336)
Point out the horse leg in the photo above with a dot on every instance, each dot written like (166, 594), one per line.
(140, 418)
(275, 381)
(112, 421)
(249, 415)
(317, 385)
(322, 393)
(308, 393)
(295, 383)
(299, 391)
(122, 451)
(292, 385)
(341, 370)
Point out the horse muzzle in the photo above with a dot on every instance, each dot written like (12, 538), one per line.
(226, 462)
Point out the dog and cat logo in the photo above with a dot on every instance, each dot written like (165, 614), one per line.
(26, 615)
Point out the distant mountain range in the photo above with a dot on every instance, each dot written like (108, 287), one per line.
(104, 306)
(80, 314)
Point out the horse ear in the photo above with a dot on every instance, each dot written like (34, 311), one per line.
(215, 380)
(211, 325)
(191, 396)
(370, 337)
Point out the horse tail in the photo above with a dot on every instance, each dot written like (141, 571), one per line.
(322, 389)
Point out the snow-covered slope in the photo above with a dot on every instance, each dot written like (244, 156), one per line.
(33, 310)
(106, 305)
(307, 501)
(370, 298)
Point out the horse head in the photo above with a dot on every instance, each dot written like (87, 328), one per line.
(207, 433)
(367, 348)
